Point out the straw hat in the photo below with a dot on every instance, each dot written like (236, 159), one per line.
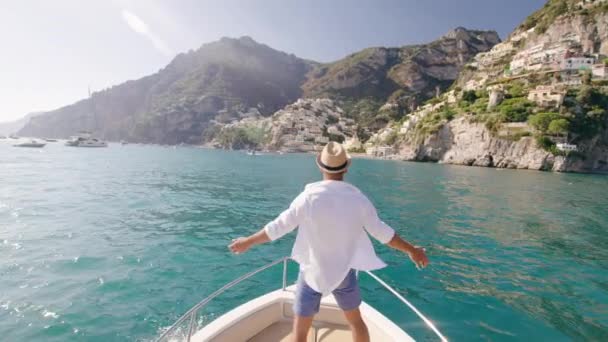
(333, 158)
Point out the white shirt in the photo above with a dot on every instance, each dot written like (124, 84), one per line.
(333, 217)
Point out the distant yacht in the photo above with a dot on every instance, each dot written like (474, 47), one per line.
(84, 139)
(31, 143)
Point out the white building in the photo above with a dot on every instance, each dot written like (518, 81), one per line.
(547, 96)
(353, 143)
(589, 3)
(600, 71)
(321, 140)
(517, 64)
(577, 63)
(380, 151)
(566, 147)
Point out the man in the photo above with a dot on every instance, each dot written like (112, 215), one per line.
(333, 217)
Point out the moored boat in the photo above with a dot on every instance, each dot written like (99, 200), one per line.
(269, 318)
(30, 143)
(84, 139)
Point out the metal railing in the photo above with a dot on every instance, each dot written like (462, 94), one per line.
(192, 313)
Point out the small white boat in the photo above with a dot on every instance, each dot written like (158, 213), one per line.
(269, 318)
(92, 142)
(31, 143)
(84, 139)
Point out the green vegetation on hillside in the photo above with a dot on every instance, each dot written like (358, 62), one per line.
(242, 137)
(516, 109)
(586, 110)
(364, 111)
(544, 17)
(582, 116)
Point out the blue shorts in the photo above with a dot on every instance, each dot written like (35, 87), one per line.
(308, 301)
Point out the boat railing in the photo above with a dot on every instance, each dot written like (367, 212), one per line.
(191, 314)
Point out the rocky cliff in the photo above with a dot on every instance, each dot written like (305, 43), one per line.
(468, 143)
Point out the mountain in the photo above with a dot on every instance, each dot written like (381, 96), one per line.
(403, 76)
(539, 100)
(231, 79)
(219, 80)
(12, 127)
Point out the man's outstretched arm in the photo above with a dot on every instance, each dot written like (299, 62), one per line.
(387, 235)
(417, 254)
(283, 224)
(242, 244)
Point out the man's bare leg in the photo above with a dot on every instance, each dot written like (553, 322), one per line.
(357, 326)
(301, 325)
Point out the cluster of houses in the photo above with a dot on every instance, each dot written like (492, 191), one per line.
(564, 56)
(308, 124)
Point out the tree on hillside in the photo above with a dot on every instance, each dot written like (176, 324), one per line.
(558, 127)
(515, 109)
(586, 77)
(516, 90)
(585, 95)
(469, 96)
(541, 121)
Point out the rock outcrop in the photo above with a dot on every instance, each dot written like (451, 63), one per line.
(467, 143)
(463, 142)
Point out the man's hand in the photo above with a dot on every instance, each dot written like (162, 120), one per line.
(242, 244)
(418, 257)
(417, 254)
(239, 245)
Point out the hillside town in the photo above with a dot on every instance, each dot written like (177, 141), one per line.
(304, 126)
(545, 67)
(308, 124)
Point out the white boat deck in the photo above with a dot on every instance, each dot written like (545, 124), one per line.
(269, 318)
(281, 332)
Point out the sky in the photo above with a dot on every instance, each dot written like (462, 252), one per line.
(54, 51)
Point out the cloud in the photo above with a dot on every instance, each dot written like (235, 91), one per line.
(140, 27)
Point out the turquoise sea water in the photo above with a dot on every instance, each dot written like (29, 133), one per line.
(115, 244)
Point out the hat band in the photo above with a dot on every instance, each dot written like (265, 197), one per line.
(330, 168)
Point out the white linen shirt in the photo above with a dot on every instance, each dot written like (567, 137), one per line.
(333, 217)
